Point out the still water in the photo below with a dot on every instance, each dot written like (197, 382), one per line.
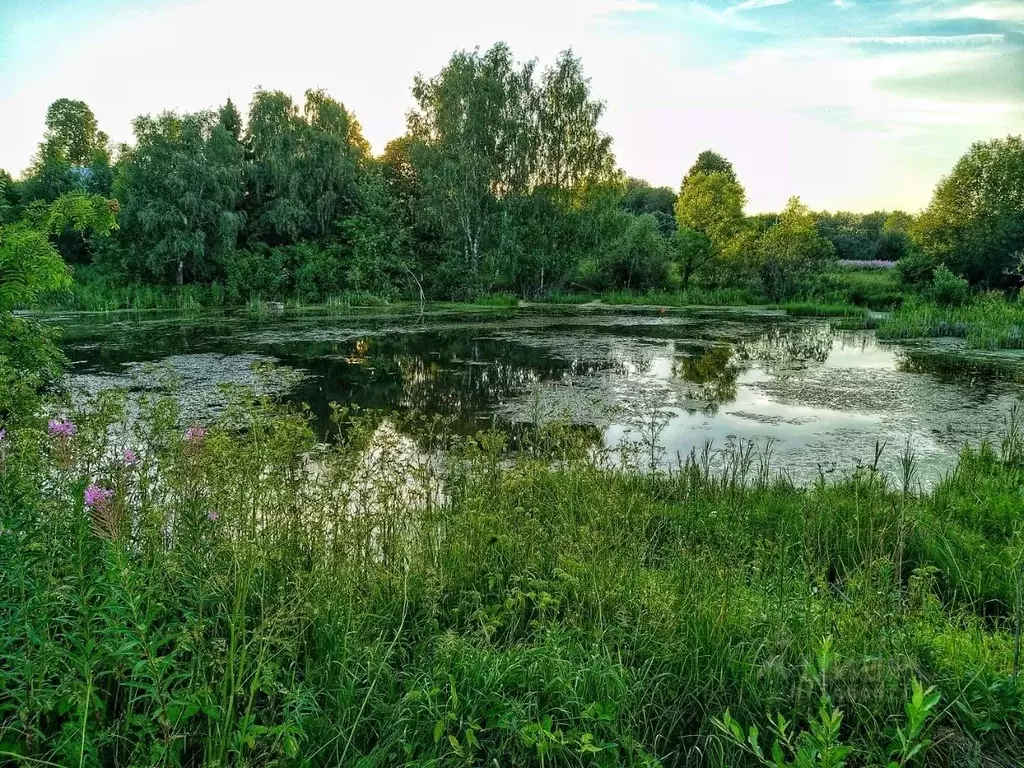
(820, 397)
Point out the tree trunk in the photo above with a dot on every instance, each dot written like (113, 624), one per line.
(181, 271)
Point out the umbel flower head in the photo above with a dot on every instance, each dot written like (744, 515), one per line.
(129, 458)
(195, 434)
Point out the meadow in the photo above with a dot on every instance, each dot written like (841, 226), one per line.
(240, 593)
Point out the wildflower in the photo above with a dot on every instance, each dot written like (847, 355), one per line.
(195, 434)
(97, 497)
(3, 435)
(62, 428)
(212, 516)
(129, 458)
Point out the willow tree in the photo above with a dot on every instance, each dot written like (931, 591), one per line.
(180, 186)
(303, 166)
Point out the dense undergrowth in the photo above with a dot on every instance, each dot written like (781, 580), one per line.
(238, 594)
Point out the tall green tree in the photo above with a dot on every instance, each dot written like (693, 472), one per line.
(74, 155)
(711, 203)
(303, 166)
(710, 161)
(494, 145)
(179, 187)
(975, 221)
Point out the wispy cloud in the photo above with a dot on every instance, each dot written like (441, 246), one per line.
(987, 10)
(844, 4)
(972, 39)
(750, 5)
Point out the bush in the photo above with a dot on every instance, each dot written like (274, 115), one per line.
(915, 270)
(261, 272)
(949, 290)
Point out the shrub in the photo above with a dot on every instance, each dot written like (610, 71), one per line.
(949, 290)
(915, 270)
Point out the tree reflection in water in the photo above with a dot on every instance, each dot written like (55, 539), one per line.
(713, 374)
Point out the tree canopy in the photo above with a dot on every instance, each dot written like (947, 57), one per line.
(975, 221)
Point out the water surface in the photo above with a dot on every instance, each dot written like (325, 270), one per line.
(820, 397)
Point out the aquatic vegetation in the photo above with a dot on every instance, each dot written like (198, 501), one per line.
(259, 597)
(989, 322)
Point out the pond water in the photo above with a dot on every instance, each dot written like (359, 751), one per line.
(820, 397)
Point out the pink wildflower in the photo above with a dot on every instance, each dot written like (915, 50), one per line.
(195, 434)
(129, 458)
(212, 516)
(97, 497)
(62, 428)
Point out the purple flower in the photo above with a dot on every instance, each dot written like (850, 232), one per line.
(212, 516)
(62, 428)
(129, 458)
(98, 497)
(195, 434)
(3, 435)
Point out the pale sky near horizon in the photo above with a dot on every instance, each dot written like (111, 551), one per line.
(850, 104)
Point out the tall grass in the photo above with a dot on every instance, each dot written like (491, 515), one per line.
(98, 294)
(248, 596)
(989, 322)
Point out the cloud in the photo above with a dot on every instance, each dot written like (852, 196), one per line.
(989, 10)
(973, 39)
(844, 4)
(750, 5)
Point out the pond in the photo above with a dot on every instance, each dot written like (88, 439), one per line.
(818, 398)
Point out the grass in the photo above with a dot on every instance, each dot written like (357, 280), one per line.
(250, 597)
(93, 292)
(811, 309)
(988, 322)
(877, 289)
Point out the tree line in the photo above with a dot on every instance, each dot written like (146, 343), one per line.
(503, 181)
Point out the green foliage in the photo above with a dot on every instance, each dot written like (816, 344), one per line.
(990, 321)
(692, 250)
(498, 151)
(261, 272)
(790, 252)
(303, 168)
(712, 204)
(975, 222)
(819, 745)
(640, 197)
(251, 596)
(916, 270)
(710, 162)
(29, 265)
(179, 187)
(947, 289)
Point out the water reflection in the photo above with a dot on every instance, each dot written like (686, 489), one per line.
(723, 376)
(714, 375)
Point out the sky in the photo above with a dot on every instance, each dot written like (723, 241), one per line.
(850, 104)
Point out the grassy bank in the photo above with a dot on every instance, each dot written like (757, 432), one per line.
(988, 322)
(244, 596)
(95, 291)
